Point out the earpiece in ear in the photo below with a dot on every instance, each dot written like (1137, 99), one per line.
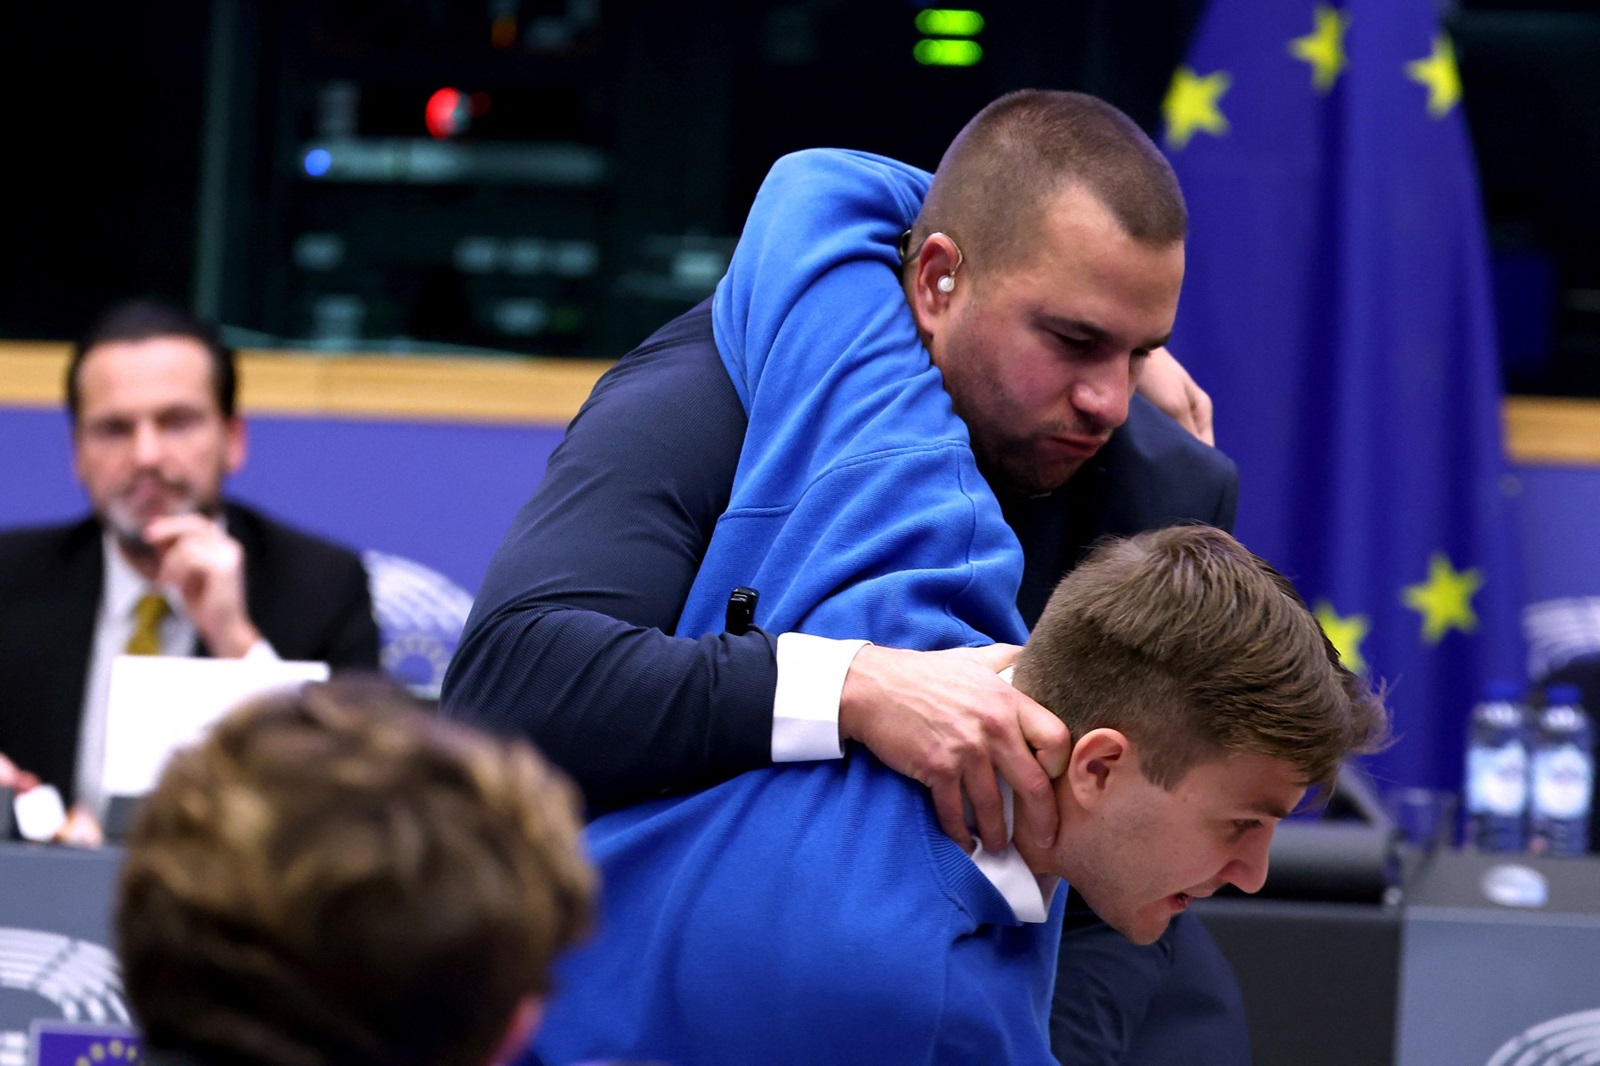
(947, 283)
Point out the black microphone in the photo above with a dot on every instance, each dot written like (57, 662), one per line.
(741, 611)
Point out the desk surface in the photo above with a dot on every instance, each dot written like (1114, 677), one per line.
(56, 957)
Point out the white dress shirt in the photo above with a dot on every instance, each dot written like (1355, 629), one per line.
(805, 708)
(121, 589)
(1028, 893)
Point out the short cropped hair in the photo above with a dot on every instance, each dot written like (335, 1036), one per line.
(1006, 167)
(332, 875)
(1197, 649)
(143, 320)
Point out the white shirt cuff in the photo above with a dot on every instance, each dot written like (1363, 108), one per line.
(805, 709)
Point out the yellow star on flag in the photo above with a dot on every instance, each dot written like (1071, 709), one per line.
(1323, 47)
(1438, 72)
(1192, 104)
(1345, 633)
(1445, 599)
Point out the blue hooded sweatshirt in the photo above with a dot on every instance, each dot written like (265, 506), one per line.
(814, 912)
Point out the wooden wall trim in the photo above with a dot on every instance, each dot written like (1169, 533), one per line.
(542, 391)
(1547, 429)
(472, 389)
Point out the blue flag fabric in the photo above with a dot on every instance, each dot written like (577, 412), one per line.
(1337, 305)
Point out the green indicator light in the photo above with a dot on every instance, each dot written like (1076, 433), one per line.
(939, 53)
(949, 22)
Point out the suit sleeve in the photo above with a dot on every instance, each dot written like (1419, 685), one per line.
(309, 597)
(568, 640)
(1157, 474)
(353, 640)
(1227, 498)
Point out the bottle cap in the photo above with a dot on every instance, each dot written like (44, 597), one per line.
(1501, 690)
(1559, 694)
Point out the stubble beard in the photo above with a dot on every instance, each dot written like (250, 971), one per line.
(1015, 467)
(127, 525)
(1015, 464)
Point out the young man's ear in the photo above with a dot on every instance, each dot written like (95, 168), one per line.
(1099, 758)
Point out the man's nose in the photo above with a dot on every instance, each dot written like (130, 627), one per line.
(146, 443)
(1247, 870)
(1103, 392)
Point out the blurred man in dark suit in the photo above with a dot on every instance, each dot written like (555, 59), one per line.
(163, 565)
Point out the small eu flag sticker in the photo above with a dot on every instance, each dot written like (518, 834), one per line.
(75, 1044)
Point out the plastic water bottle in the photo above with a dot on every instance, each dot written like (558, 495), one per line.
(1497, 771)
(1562, 775)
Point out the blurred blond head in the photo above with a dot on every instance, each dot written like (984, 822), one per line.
(333, 875)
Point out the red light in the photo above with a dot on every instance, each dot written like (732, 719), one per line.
(446, 114)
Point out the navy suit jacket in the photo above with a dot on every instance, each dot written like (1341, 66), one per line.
(308, 598)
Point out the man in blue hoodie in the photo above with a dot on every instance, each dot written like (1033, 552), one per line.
(1040, 275)
(816, 913)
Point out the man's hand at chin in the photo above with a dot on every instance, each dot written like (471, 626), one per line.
(206, 566)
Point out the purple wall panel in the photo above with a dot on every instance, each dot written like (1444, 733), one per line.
(1558, 512)
(36, 483)
(444, 493)
(439, 493)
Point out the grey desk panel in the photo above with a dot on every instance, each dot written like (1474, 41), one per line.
(1477, 976)
(56, 957)
(1319, 979)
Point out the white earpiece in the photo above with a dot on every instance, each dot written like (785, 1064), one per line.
(947, 283)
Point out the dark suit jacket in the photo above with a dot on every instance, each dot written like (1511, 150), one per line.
(308, 598)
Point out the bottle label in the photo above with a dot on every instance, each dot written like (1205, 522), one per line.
(1562, 782)
(1497, 780)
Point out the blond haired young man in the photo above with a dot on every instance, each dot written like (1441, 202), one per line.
(816, 913)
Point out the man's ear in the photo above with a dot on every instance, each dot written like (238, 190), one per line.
(1099, 761)
(237, 445)
(938, 258)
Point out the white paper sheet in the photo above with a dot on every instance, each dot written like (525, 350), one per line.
(159, 703)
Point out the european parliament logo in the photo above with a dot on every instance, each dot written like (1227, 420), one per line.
(50, 976)
(1570, 1040)
(421, 613)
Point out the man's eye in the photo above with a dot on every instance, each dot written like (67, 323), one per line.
(109, 430)
(1241, 826)
(177, 421)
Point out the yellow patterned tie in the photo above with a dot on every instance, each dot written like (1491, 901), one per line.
(147, 616)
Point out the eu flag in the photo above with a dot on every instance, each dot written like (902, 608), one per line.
(1337, 305)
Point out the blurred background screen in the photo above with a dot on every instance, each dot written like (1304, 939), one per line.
(561, 176)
